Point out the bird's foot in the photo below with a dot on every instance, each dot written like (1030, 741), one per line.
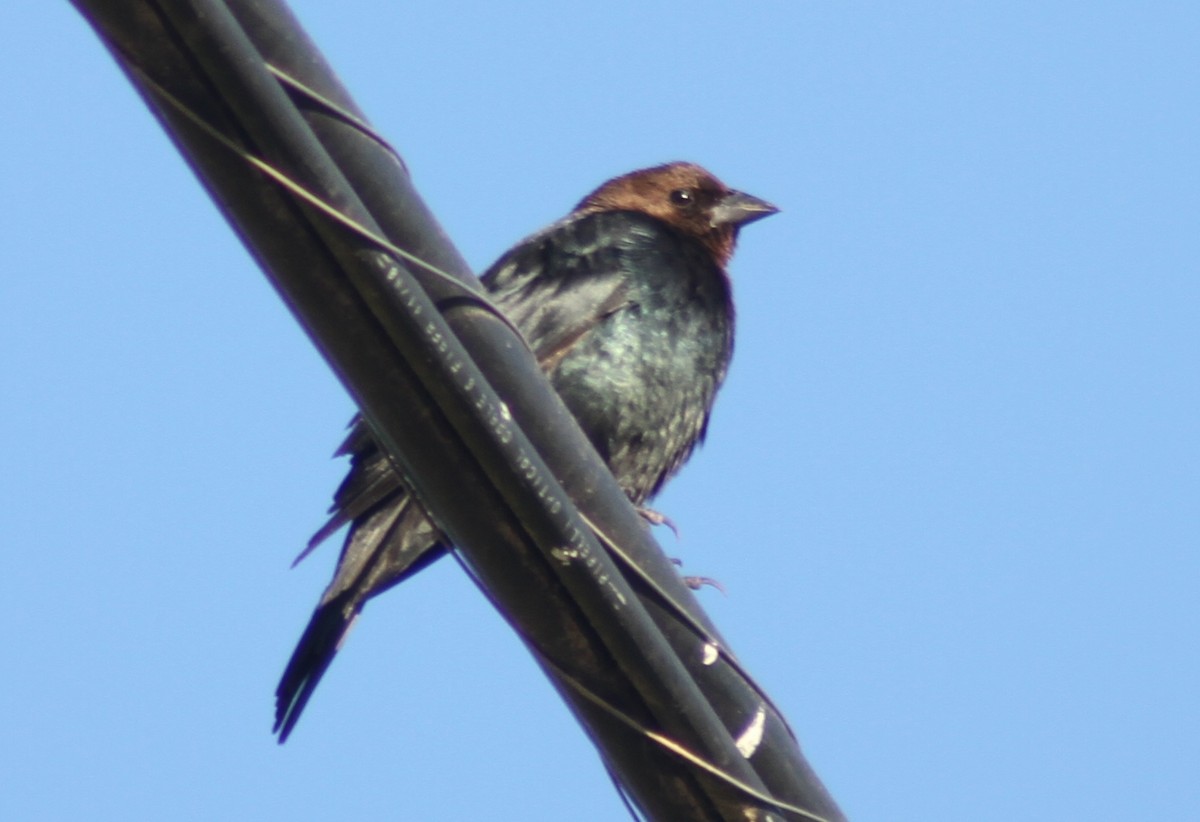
(696, 583)
(655, 518)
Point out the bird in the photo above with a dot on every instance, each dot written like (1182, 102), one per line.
(627, 305)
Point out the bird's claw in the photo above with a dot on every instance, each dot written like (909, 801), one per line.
(696, 583)
(655, 518)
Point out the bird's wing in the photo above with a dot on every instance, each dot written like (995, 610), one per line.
(561, 283)
(370, 480)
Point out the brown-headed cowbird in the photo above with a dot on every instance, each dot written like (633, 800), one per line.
(626, 304)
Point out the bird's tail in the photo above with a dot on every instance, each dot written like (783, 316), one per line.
(317, 647)
(384, 547)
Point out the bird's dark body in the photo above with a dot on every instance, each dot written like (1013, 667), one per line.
(630, 316)
(649, 319)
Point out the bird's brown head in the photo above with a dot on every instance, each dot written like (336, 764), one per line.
(685, 196)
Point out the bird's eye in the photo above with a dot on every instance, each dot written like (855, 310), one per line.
(682, 197)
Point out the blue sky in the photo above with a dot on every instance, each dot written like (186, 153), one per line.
(952, 485)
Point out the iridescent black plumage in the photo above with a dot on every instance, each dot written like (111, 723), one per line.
(626, 305)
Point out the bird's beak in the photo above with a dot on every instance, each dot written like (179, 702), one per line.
(738, 208)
